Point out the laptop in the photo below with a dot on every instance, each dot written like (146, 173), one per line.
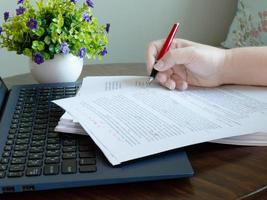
(34, 157)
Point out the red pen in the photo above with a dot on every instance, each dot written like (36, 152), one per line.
(165, 49)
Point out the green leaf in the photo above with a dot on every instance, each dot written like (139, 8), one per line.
(39, 32)
(52, 48)
(47, 40)
(27, 52)
(57, 49)
(38, 45)
(46, 55)
(54, 37)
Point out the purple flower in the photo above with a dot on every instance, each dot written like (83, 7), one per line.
(86, 17)
(82, 52)
(107, 28)
(73, 1)
(21, 1)
(64, 48)
(32, 24)
(38, 58)
(6, 16)
(1, 30)
(20, 10)
(104, 52)
(90, 3)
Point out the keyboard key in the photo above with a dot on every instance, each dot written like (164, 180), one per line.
(33, 171)
(25, 130)
(53, 147)
(87, 168)
(53, 141)
(51, 169)
(25, 125)
(86, 148)
(39, 132)
(19, 154)
(87, 161)
(42, 116)
(9, 142)
(25, 119)
(16, 168)
(69, 149)
(23, 141)
(13, 126)
(2, 174)
(36, 149)
(38, 137)
(8, 148)
(40, 126)
(35, 163)
(89, 154)
(18, 160)
(69, 155)
(35, 156)
(38, 143)
(3, 167)
(69, 167)
(15, 174)
(52, 135)
(52, 160)
(12, 131)
(21, 147)
(53, 153)
(4, 160)
(6, 154)
(11, 137)
(23, 135)
(69, 142)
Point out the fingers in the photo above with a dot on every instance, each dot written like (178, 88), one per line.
(154, 48)
(151, 53)
(162, 77)
(171, 79)
(180, 83)
(181, 56)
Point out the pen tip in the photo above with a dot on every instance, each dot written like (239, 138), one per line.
(150, 80)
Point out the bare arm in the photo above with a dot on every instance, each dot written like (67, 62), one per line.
(190, 63)
(246, 66)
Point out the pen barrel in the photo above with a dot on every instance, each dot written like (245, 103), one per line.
(168, 41)
(153, 73)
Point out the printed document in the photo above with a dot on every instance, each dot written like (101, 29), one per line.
(129, 119)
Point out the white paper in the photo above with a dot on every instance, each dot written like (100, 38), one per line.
(140, 121)
(98, 84)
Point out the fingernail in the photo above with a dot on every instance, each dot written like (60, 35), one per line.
(158, 65)
(183, 86)
(170, 85)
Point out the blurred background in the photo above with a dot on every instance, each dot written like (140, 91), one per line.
(135, 23)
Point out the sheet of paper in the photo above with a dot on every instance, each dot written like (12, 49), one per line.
(140, 121)
(98, 84)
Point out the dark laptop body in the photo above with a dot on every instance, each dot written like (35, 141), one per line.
(35, 157)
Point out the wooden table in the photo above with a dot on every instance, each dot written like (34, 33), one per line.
(222, 171)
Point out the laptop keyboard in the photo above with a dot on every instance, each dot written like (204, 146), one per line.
(33, 148)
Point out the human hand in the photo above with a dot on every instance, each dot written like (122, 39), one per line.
(187, 63)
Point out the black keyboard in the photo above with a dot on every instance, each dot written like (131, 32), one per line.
(33, 148)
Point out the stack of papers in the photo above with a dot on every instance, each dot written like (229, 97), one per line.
(129, 119)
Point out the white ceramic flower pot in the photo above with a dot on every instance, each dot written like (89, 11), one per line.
(63, 68)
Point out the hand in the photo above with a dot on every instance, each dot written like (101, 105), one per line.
(187, 63)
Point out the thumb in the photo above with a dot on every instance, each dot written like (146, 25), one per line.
(174, 57)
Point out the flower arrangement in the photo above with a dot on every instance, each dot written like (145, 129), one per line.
(54, 27)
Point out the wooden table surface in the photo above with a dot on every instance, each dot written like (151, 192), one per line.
(221, 171)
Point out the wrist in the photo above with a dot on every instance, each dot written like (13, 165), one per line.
(226, 68)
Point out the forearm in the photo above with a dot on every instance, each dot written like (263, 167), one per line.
(246, 66)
